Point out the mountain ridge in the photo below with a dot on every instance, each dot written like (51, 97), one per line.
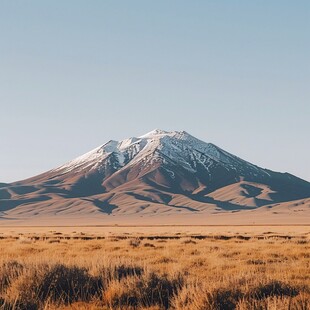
(159, 172)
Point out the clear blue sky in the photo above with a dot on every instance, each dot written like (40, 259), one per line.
(74, 74)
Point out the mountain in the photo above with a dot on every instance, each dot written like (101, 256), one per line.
(156, 176)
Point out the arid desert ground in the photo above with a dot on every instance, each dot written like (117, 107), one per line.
(155, 267)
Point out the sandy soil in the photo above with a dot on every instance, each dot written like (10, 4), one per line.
(155, 230)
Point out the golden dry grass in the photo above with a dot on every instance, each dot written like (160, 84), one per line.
(180, 270)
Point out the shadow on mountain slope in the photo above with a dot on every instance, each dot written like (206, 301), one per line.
(149, 199)
(8, 204)
(225, 205)
(87, 185)
(104, 206)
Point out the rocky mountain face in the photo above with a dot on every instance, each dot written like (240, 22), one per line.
(157, 173)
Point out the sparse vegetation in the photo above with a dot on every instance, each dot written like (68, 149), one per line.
(59, 271)
(134, 242)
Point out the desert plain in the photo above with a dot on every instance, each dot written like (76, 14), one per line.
(155, 267)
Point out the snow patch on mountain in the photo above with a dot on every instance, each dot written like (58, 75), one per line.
(179, 146)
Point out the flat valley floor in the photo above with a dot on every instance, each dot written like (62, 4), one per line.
(155, 267)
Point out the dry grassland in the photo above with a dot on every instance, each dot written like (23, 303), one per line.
(73, 269)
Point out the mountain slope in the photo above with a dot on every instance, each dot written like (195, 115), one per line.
(157, 173)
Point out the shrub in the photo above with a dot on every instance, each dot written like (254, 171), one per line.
(58, 283)
(118, 272)
(135, 242)
(193, 296)
(273, 288)
(146, 291)
(149, 245)
(198, 297)
(189, 241)
(9, 271)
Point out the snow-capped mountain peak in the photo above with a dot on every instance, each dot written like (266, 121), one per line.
(161, 170)
(178, 147)
(155, 132)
